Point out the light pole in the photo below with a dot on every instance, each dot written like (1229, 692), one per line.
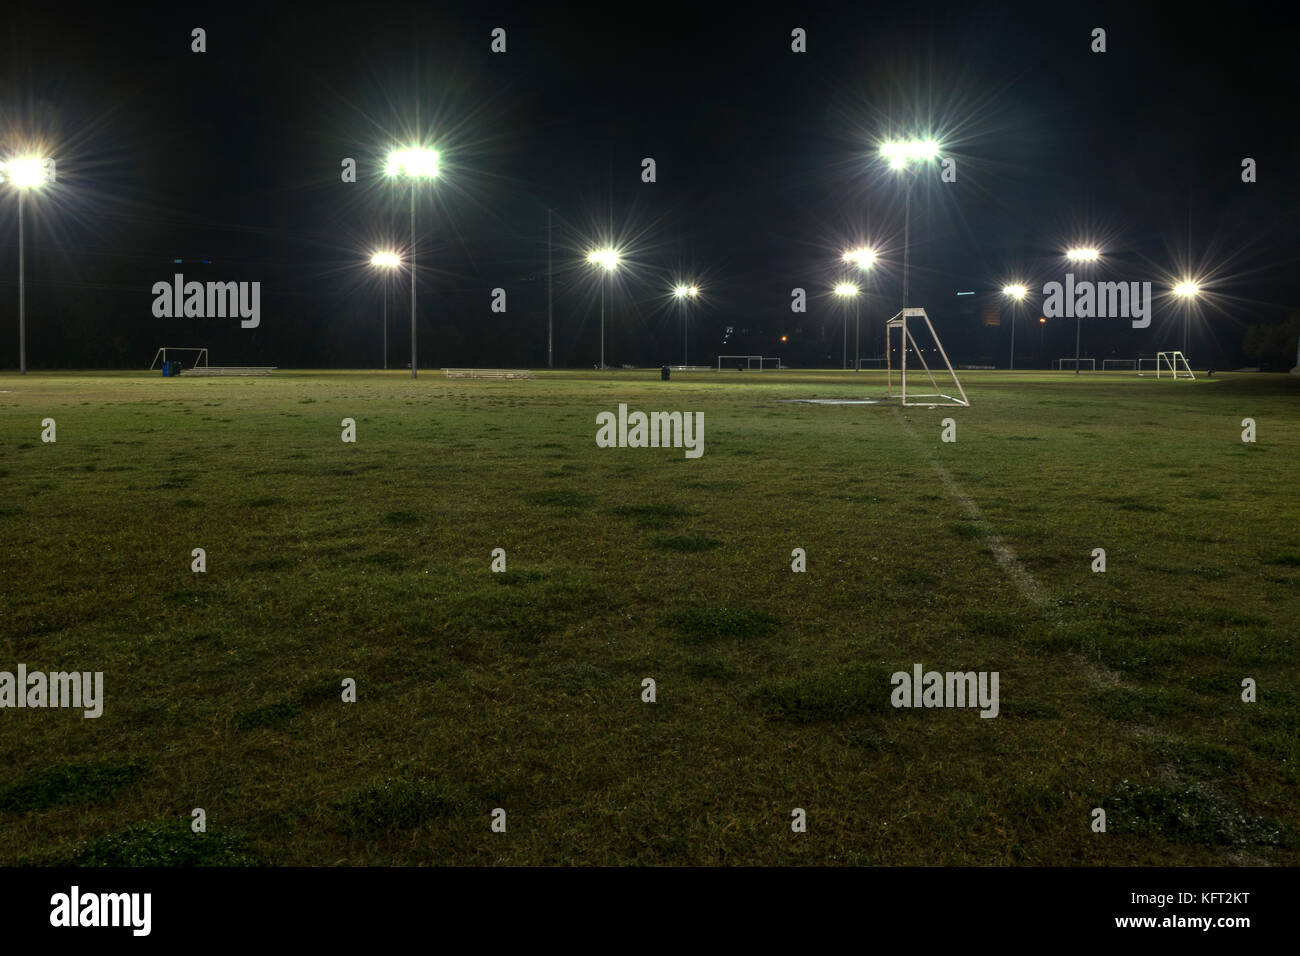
(845, 289)
(683, 293)
(864, 259)
(1080, 255)
(27, 172)
(415, 163)
(1042, 326)
(607, 259)
(1016, 292)
(386, 260)
(1188, 290)
(899, 154)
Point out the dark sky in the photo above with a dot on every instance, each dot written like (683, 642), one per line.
(766, 167)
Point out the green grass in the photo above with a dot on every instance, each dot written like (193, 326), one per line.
(522, 690)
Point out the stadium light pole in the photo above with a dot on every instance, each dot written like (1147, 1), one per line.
(1188, 290)
(1016, 292)
(387, 261)
(899, 154)
(864, 259)
(608, 260)
(415, 163)
(1080, 255)
(683, 293)
(1042, 326)
(844, 290)
(24, 172)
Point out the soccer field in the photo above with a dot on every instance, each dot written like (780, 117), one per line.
(523, 691)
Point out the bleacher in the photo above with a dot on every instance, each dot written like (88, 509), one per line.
(230, 370)
(488, 373)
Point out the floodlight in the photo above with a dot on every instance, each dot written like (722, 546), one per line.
(386, 260)
(24, 172)
(846, 288)
(1187, 288)
(1015, 291)
(864, 258)
(899, 152)
(415, 162)
(1083, 255)
(607, 258)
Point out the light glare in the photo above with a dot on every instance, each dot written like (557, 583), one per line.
(608, 258)
(386, 260)
(414, 162)
(25, 172)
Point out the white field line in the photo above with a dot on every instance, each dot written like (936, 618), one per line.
(1025, 582)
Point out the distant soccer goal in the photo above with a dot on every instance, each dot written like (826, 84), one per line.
(759, 362)
(200, 357)
(1150, 363)
(872, 363)
(1119, 365)
(1174, 364)
(1063, 363)
(907, 344)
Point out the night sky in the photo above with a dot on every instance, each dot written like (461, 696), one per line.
(767, 169)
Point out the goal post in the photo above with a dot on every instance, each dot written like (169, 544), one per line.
(731, 361)
(907, 342)
(200, 357)
(1119, 365)
(1173, 364)
(1062, 364)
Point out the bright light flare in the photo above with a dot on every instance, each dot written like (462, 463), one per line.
(900, 151)
(1015, 291)
(606, 258)
(415, 162)
(1187, 288)
(846, 288)
(25, 172)
(862, 258)
(684, 290)
(386, 260)
(1083, 255)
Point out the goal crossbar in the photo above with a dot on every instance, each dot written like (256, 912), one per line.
(1059, 364)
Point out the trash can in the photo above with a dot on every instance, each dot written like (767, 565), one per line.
(167, 369)
(665, 373)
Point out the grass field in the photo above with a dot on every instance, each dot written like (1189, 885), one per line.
(522, 690)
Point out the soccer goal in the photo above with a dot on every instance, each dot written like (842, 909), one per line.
(200, 357)
(907, 344)
(872, 363)
(1174, 364)
(1063, 363)
(1119, 365)
(1149, 363)
(736, 361)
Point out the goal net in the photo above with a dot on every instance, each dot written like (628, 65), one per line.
(908, 346)
(1064, 363)
(189, 358)
(872, 363)
(739, 361)
(1119, 365)
(1174, 364)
